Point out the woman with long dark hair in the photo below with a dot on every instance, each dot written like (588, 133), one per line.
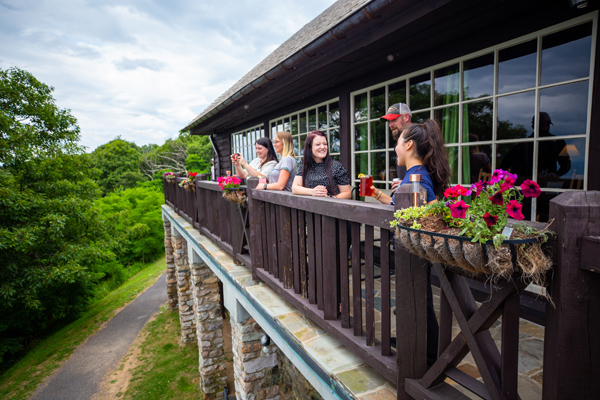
(320, 175)
(421, 149)
(282, 176)
(261, 165)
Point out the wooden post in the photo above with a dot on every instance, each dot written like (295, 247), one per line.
(255, 228)
(411, 308)
(571, 345)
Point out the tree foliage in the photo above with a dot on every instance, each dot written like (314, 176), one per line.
(118, 165)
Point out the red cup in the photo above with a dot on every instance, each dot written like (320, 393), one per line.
(365, 186)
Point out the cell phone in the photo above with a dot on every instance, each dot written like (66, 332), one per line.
(236, 156)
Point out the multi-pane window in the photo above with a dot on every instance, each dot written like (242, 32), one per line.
(243, 142)
(486, 105)
(323, 117)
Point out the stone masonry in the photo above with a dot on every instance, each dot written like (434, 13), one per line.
(255, 369)
(170, 258)
(209, 327)
(185, 297)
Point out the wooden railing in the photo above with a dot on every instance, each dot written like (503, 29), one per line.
(326, 256)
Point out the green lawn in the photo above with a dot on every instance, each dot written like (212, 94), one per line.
(20, 381)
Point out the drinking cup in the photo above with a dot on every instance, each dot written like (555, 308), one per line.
(365, 186)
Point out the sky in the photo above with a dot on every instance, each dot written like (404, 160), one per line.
(143, 69)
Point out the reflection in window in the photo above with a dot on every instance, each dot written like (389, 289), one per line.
(516, 158)
(322, 125)
(303, 123)
(480, 162)
(567, 107)
(377, 135)
(478, 77)
(334, 114)
(419, 118)
(393, 169)
(334, 144)
(361, 134)
(420, 92)
(312, 120)
(566, 54)
(448, 120)
(554, 163)
(446, 85)
(516, 67)
(397, 93)
(378, 166)
(514, 115)
(377, 103)
(478, 120)
(453, 160)
(361, 163)
(360, 108)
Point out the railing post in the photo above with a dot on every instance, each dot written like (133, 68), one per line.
(571, 346)
(176, 193)
(411, 308)
(255, 227)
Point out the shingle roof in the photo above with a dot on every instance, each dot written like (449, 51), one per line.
(328, 19)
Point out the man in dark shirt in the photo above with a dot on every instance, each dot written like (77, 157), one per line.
(398, 118)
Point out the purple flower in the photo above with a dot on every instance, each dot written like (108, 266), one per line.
(513, 208)
(459, 209)
(479, 186)
(510, 176)
(507, 184)
(497, 176)
(497, 199)
(530, 189)
(490, 219)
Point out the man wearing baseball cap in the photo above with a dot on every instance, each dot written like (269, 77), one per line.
(398, 118)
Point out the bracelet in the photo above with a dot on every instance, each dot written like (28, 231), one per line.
(378, 196)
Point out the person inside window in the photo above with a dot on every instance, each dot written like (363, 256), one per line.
(421, 149)
(282, 176)
(320, 175)
(261, 165)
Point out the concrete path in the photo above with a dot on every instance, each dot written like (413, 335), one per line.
(80, 376)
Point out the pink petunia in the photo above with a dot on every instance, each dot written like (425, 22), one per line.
(513, 208)
(479, 186)
(497, 199)
(497, 176)
(450, 192)
(459, 209)
(530, 188)
(490, 219)
(507, 184)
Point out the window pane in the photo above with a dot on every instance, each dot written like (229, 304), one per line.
(448, 120)
(559, 161)
(334, 137)
(566, 54)
(303, 123)
(279, 125)
(453, 160)
(446, 85)
(378, 166)
(294, 125)
(420, 92)
(514, 115)
(286, 125)
(516, 158)
(360, 137)
(377, 103)
(419, 118)
(334, 115)
(479, 162)
(336, 157)
(542, 206)
(361, 164)
(302, 140)
(478, 77)
(322, 126)
(478, 120)
(393, 165)
(360, 108)
(377, 135)
(273, 129)
(296, 144)
(517, 66)
(312, 120)
(567, 107)
(397, 93)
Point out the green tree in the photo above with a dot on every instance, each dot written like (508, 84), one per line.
(118, 165)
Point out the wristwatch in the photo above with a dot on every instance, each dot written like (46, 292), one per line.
(265, 187)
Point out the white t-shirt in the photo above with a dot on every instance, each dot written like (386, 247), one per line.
(266, 168)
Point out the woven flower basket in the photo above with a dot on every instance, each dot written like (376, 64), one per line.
(520, 256)
(171, 181)
(190, 185)
(235, 196)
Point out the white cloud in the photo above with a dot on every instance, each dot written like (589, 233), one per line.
(143, 69)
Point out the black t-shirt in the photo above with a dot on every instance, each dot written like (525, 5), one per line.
(317, 176)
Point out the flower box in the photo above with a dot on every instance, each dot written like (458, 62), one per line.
(235, 196)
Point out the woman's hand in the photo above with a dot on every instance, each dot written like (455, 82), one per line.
(242, 161)
(319, 191)
(260, 186)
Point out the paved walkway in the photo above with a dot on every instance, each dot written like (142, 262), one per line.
(80, 376)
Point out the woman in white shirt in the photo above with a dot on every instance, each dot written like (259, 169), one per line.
(261, 165)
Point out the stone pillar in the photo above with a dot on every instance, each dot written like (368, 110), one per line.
(209, 328)
(185, 298)
(170, 258)
(256, 371)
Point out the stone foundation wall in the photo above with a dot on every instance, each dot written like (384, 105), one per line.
(170, 258)
(292, 384)
(209, 327)
(256, 370)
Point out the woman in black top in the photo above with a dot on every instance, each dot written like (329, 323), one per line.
(320, 175)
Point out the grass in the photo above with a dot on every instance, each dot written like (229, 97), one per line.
(21, 379)
(165, 369)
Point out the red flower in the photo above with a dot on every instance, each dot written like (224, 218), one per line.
(497, 199)
(450, 192)
(460, 190)
(490, 219)
(507, 184)
(530, 189)
(459, 209)
(193, 175)
(513, 208)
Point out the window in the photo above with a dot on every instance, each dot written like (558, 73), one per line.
(243, 142)
(323, 117)
(486, 105)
